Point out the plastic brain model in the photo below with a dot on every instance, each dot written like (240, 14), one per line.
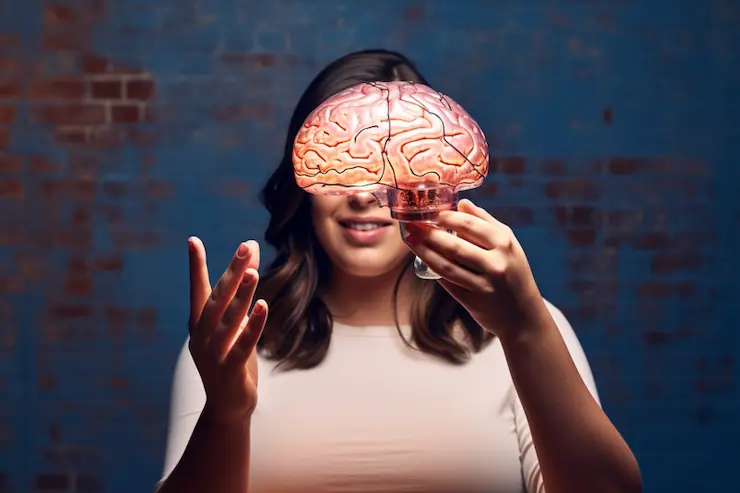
(385, 136)
(411, 146)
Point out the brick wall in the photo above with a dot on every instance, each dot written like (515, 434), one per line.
(127, 126)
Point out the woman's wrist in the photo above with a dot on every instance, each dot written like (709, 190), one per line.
(536, 323)
(225, 421)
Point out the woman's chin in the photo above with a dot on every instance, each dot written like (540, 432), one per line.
(372, 264)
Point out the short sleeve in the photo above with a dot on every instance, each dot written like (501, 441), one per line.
(187, 399)
(530, 464)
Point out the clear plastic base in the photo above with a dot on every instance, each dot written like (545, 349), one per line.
(420, 206)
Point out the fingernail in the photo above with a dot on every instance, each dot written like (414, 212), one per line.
(412, 239)
(260, 306)
(242, 251)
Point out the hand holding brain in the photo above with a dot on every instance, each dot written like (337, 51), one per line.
(389, 134)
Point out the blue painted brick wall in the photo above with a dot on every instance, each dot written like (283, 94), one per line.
(127, 125)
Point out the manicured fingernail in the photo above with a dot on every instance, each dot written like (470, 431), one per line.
(242, 251)
(412, 239)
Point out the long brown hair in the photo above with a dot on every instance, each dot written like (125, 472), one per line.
(299, 327)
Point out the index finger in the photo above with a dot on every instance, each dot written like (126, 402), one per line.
(254, 255)
(200, 284)
(471, 228)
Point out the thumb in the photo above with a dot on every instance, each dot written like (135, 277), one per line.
(200, 284)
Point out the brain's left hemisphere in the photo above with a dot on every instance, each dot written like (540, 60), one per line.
(334, 144)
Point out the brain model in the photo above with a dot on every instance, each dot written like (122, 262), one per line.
(390, 138)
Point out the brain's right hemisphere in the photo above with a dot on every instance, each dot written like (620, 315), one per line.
(389, 134)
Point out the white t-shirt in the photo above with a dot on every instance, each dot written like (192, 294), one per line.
(378, 417)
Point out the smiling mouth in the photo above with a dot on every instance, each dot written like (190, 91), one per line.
(365, 226)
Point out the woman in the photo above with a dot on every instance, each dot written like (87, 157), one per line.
(384, 382)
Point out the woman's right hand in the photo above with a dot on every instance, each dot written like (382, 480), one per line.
(223, 334)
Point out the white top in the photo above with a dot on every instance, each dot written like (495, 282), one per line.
(378, 417)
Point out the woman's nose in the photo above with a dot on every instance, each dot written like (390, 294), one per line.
(362, 199)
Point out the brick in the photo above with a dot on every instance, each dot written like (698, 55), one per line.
(80, 216)
(58, 14)
(125, 113)
(142, 90)
(7, 114)
(10, 41)
(580, 237)
(73, 136)
(71, 311)
(607, 114)
(78, 286)
(113, 263)
(10, 163)
(92, 64)
(670, 262)
(8, 66)
(106, 90)
(71, 114)
(512, 165)
(80, 188)
(624, 165)
(106, 138)
(73, 40)
(4, 137)
(57, 89)
(11, 188)
(10, 89)
(572, 189)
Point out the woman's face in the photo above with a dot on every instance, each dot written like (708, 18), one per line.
(358, 235)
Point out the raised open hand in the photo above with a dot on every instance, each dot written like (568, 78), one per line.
(223, 334)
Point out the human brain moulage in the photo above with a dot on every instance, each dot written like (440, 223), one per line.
(383, 137)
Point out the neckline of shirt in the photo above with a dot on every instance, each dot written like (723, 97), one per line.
(369, 330)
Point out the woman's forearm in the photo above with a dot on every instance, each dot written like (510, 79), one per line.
(215, 459)
(578, 448)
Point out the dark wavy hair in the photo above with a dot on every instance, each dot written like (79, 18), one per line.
(299, 327)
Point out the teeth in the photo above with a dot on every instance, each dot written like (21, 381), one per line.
(364, 226)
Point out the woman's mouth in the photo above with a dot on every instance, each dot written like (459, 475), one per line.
(364, 232)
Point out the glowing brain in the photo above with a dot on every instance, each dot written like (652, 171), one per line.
(380, 135)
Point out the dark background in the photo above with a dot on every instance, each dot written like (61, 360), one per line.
(126, 126)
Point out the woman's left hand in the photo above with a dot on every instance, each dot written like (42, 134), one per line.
(483, 267)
